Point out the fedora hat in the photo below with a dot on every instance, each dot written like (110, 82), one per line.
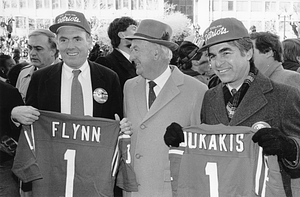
(71, 18)
(155, 32)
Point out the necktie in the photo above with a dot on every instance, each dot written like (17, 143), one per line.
(76, 95)
(152, 95)
(233, 91)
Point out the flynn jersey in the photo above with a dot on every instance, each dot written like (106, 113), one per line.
(65, 155)
(126, 178)
(222, 161)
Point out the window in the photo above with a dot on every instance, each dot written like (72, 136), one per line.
(30, 4)
(46, 4)
(241, 6)
(285, 7)
(54, 4)
(20, 22)
(227, 6)
(215, 5)
(118, 4)
(63, 4)
(296, 7)
(270, 6)
(14, 4)
(22, 3)
(71, 5)
(133, 4)
(6, 4)
(31, 23)
(256, 6)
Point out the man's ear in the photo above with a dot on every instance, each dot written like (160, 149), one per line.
(121, 34)
(270, 53)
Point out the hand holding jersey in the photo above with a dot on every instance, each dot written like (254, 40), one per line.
(174, 135)
(274, 142)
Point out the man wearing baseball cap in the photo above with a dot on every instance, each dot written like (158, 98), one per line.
(246, 96)
(158, 96)
(98, 92)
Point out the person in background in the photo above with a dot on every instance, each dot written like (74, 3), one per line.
(291, 54)
(42, 52)
(6, 63)
(9, 135)
(17, 55)
(193, 62)
(118, 59)
(246, 96)
(159, 95)
(268, 59)
(13, 73)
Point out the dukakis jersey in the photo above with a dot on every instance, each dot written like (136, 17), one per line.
(223, 161)
(65, 155)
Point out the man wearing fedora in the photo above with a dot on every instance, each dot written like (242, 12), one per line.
(255, 98)
(158, 96)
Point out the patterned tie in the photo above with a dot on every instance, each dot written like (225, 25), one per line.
(76, 95)
(152, 95)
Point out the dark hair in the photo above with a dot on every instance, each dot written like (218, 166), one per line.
(291, 49)
(266, 41)
(187, 52)
(3, 68)
(244, 45)
(14, 72)
(116, 26)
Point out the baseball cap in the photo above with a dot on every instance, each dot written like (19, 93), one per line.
(71, 18)
(224, 30)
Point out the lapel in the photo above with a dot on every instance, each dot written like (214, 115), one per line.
(53, 86)
(168, 93)
(97, 82)
(254, 99)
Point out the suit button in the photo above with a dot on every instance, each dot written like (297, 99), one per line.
(142, 126)
(138, 156)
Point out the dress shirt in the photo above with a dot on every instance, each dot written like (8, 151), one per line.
(160, 82)
(230, 88)
(66, 84)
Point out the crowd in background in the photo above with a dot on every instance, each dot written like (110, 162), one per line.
(138, 59)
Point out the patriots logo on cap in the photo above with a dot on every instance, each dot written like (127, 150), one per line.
(215, 31)
(68, 18)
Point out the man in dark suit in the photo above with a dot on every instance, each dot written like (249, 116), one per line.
(9, 98)
(118, 59)
(50, 88)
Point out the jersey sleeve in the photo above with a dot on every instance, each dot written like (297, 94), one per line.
(25, 165)
(126, 178)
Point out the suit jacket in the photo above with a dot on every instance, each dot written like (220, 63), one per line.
(120, 64)
(44, 91)
(278, 74)
(179, 101)
(9, 98)
(266, 100)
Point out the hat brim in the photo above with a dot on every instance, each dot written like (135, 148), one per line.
(55, 27)
(205, 47)
(171, 45)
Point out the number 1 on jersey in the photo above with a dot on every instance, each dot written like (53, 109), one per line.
(211, 170)
(70, 157)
